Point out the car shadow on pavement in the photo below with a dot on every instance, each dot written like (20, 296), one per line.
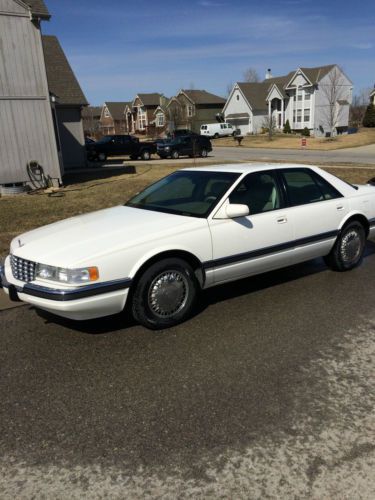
(220, 293)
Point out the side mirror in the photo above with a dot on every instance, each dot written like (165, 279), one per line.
(233, 210)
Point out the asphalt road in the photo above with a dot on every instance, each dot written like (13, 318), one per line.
(363, 154)
(266, 393)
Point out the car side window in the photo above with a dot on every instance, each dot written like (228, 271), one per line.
(303, 187)
(329, 192)
(259, 191)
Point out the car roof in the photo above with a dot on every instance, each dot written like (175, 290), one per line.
(243, 168)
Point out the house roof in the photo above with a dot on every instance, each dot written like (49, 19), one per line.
(117, 109)
(203, 97)
(150, 99)
(61, 79)
(38, 7)
(316, 74)
(92, 112)
(256, 93)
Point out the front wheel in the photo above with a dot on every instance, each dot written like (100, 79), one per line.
(165, 294)
(145, 155)
(175, 155)
(102, 156)
(204, 153)
(347, 252)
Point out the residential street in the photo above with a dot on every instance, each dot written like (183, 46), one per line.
(266, 393)
(363, 154)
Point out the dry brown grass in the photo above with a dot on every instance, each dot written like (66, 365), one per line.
(94, 191)
(364, 137)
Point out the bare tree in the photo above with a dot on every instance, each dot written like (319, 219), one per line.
(229, 89)
(335, 92)
(175, 115)
(269, 126)
(358, 107)
(251, 75)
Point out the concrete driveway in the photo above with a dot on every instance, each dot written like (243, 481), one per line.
(266, 393)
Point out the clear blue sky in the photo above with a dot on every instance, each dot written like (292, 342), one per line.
(120, 48)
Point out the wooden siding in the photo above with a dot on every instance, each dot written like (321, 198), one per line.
(26, 126)
(71, 136)
(13, 7)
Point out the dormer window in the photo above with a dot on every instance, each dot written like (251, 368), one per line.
(189, 110)
(238, 97)
(106, 113)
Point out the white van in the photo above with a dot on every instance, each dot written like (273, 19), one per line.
(216, 130)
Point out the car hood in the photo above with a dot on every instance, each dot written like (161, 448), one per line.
(71, 242)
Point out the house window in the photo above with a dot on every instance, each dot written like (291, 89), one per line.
(307, 95)
(306, 115)
(297, 116)
(238, 97)
(142, 119)
(106, 113)
(189, 110)
(160, 120)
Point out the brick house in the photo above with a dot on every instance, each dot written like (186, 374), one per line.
(112, 118)
(147, 114)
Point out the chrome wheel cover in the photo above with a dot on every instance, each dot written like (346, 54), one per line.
(351, 246)
(168, 293)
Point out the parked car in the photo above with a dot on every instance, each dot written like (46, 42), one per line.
(216, 130)
(184, 145)
(192, 230)
(120, 145)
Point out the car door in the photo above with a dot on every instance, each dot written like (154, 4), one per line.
(259, 242)
(317, 209)
(187, 146)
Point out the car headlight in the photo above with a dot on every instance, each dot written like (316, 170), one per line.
(167, 148)
(69, 276)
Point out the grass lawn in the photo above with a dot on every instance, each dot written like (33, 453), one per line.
(101, 189)
(364, 137)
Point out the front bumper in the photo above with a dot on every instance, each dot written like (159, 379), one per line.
(81, 303)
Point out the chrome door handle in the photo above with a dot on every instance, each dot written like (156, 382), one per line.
(282, 220)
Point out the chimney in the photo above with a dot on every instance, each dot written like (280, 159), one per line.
(268, 74)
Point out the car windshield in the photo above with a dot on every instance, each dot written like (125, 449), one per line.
(190, 193)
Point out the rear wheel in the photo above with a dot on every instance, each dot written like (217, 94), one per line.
(204, 153)
(347, 252)
(165, 294)
(102, 156)
(175, 155)
(146, 155)
(133, 157)
(216, 136)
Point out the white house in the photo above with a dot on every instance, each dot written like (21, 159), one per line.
(372, 97)
(316, 98)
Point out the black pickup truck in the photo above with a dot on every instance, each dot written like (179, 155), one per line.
(120, 145)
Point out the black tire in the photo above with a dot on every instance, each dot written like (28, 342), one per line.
(101, 156)
(216, 136)
(348, 249)
(204, 153)
(146, 155)
(175, 155)
(165, 294)
(133, 157)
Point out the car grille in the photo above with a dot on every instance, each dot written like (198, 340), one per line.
(23, 270)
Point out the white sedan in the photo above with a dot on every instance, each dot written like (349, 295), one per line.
(194, 229)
